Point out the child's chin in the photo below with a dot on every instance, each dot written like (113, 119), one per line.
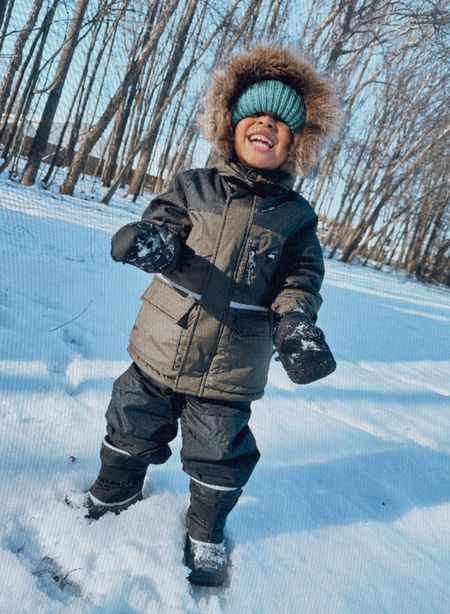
(260, 161)
(265, 165)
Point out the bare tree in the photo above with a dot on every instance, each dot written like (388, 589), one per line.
(6, 7)
(99, 127)
(125, 107)
(149, 138)
(16, 58)
(40, 141)
(84, 92)
(17, 127)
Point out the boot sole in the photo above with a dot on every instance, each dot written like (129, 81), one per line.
(96, 511)
(82, 500)
(203, 579)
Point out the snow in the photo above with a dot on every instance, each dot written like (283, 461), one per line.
(215, 555)
(150, 246)
(349, 508)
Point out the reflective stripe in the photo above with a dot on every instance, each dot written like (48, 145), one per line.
(235, 305)
(111, 447)
(213, 487)
(178, 287)
(98, 502)
(198, 297)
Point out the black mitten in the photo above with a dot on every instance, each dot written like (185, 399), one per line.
(302, 349)
(145, 245)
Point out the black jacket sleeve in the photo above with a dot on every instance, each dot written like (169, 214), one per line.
(170, 208)
(300, 272)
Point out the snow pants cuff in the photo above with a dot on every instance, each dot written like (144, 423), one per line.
(218, 445)
(114, 457)
(121, 476)
(208, 512)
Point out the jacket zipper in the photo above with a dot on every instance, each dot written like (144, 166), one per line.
(198, 311)
(250, 267)
(222, 325)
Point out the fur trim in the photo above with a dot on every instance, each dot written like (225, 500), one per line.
(272, 62)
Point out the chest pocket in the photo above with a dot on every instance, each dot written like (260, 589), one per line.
(260, 260)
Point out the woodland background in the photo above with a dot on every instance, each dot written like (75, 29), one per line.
(111, 88)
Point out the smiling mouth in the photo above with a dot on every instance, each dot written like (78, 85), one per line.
(261, 142)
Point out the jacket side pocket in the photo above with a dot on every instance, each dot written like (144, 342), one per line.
(161, 330)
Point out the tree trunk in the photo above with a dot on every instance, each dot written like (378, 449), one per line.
(5, 19)
(99, 127)
(30, 83)
(40, 141)
(164, 157)
(2, 12)
(123, 117)
(117, 136)
(151, 134)
(16, 57)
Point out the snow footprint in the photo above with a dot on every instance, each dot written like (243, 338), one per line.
(57, 584)
(75, 338)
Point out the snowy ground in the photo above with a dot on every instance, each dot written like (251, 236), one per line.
(348, 510)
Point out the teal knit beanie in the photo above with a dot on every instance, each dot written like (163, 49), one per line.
(274, 97)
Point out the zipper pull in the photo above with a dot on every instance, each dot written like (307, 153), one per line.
(250, 269)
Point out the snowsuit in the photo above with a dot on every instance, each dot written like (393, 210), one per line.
(202, 341)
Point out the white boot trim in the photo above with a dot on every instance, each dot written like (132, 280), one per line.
(213, 487)
(111, 447)
(197, 542)
(115, 504)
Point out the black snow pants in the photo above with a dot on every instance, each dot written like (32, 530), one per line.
(218, 447)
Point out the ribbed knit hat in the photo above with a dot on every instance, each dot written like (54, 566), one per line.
(274, 97)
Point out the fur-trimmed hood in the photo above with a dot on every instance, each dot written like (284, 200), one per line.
(271, 62)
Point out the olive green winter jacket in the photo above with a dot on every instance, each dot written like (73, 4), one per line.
(250, 253)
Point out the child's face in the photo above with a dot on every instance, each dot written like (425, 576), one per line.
(261, 141)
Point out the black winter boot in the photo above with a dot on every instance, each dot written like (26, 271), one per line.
(119, 482)
(205, 551)
(208, 562)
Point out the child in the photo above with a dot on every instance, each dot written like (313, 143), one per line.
(236, 258)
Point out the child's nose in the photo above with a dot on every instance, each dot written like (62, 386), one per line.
(267, 120)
